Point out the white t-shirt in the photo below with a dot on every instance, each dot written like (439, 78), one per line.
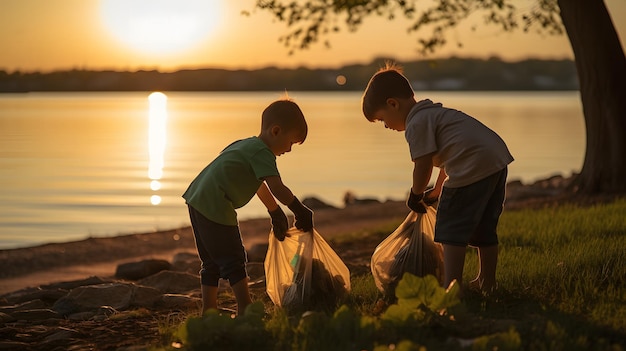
(467, 149)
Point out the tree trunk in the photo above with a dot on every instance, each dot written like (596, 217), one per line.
(601, 67)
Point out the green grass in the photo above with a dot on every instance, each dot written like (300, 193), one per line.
(569, 260)
(561, 286)
(562, 275)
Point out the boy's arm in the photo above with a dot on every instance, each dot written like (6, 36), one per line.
(278, 189)
(280, 224)
(266, 197)
(303, 214)
(422, 171)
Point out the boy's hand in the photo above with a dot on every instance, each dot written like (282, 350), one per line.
(303, 215)
(415, 202)
(280, 224)
(429, 199)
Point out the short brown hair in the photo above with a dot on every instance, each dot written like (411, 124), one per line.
(287, 114)
(388, 82)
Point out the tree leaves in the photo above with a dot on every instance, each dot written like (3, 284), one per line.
(309, 21)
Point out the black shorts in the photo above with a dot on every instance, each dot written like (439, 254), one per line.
(469, 215)
(220, 249)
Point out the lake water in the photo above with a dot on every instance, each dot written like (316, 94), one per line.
(75, 165)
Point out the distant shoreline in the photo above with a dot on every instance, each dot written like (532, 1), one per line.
(451, 74)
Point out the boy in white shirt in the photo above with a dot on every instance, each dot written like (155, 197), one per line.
(473, 163)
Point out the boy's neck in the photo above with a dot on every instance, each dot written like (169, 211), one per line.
(408, 105)
(264, 139)
(412, 102)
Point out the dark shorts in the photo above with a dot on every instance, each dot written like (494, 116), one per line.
(220, 249)
(469, 215)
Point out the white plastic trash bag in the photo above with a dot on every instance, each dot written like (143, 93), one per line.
(410, 248)
(303, 271)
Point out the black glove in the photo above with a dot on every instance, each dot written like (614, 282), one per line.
(415, 202)
(429, 200)
(303, 215)
(280, 224)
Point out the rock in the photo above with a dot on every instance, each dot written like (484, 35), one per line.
(256, 273)
(14, 345)
(349, 199)
(255, 270)
(102, 313)
(186, 262)
(119, 296)
(28, 305)
(6, 318)
(92, 297)
(541, 189)
(184, 257)
(516, 183)
(555, 182)
(178, 301)
(81, 316)
(63, 334)
(172, 282)
(37, 314)
(47, 295)
(144, 296)
(69, 285)
(316, 204)
(141, 269)
(257, 252)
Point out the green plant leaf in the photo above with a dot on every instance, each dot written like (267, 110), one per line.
(413, 291)
(417, 294)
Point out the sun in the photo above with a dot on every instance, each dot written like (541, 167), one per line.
(161, 26)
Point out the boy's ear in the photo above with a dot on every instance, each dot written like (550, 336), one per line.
(275, 130)
(392, 102)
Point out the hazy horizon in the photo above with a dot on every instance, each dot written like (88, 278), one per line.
(310, 66)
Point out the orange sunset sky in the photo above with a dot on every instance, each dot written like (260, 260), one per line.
(46, 35)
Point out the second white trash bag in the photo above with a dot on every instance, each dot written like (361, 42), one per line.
(410, 248)
(303, 271)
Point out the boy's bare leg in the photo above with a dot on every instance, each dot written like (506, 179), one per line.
(242, 294)
(487, 260)
(453, 262)
(209, 298)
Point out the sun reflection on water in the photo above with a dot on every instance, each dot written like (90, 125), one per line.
(156, 141)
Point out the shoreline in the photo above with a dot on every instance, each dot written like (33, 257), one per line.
(513, 186)
(48, 263)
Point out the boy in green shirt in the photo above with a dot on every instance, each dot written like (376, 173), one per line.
(244, 168)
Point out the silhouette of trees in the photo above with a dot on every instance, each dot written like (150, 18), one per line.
(464, 73)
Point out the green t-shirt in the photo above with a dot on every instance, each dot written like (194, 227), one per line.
(231, 180)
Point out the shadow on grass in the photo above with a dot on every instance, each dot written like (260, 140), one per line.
(540, 326)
